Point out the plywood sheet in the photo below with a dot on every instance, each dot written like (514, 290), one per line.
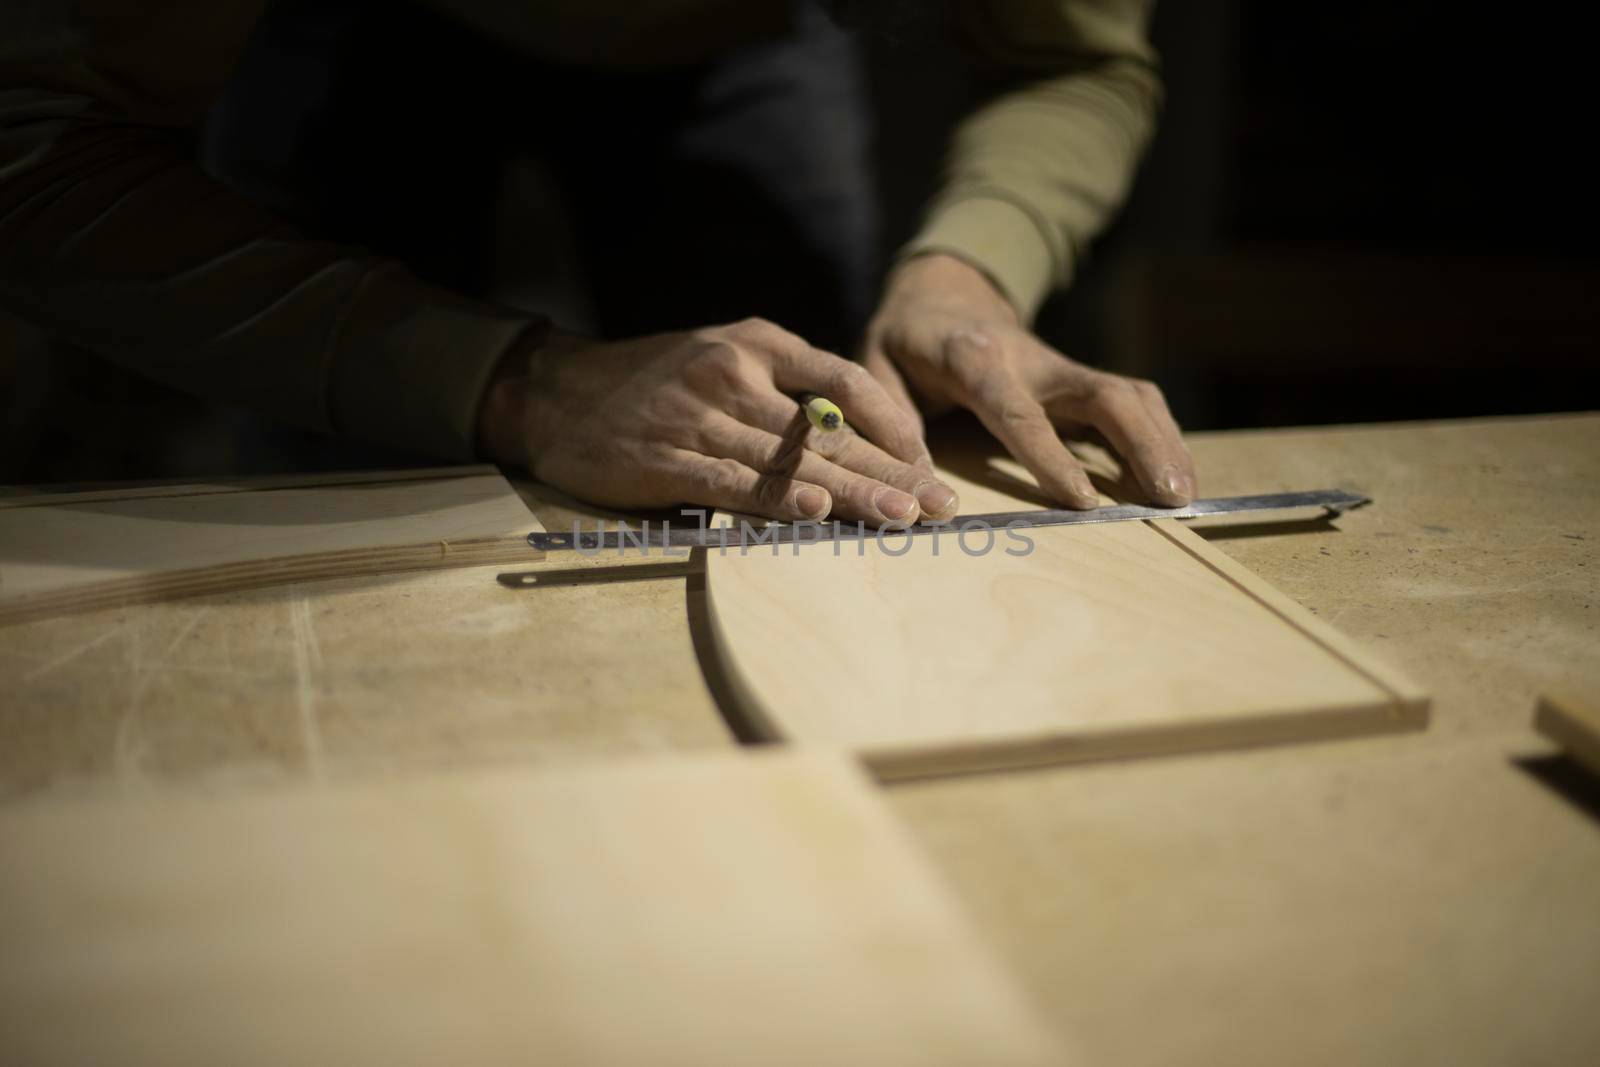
(729, 910)
(1111, 640)
(75, 551)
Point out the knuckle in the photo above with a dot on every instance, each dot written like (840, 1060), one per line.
(710, 334)
(970, 354)
(718, 366)
(725, 477)
(830, 446)
(698, 434)
(1107, 389)
(1148, 445)
(758, 329)
(1018, 413)
(973, 339)
(667, 408)
(989, 395)
(848, 378)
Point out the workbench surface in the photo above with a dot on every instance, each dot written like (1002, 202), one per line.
(1416, 898)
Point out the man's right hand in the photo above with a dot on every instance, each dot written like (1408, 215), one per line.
(708, 417)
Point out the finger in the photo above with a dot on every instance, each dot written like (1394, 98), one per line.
(936, 501)
(797, 367)
(855, 495)
(726, 483)
(776, 414)
(1021, 424)
(1161, 414)
(1008, 409)
(1154, 451)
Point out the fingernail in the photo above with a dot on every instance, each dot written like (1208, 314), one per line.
(937, 500)
(1176, 485)
(812, 502)
(1084, 490)
(894, 505)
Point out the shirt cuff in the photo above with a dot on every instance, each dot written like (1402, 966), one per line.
(1000, 239)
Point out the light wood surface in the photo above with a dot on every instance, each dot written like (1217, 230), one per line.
(1417, 897)
(729, 910)
(1122, 639)
(1572, 724)
(73, 551)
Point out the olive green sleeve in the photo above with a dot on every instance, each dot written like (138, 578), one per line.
(1036, 171)
(114, 239)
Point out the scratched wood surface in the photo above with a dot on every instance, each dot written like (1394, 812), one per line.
(951, 653)
(732, 910)
(1424, 896)
(72, 551)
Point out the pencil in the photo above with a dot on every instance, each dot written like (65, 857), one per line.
(823, 413)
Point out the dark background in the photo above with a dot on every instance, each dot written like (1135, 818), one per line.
(1352, 212)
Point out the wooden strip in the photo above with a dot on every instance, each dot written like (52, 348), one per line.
(1411, 700)
(900, 764)
(256, 574)
(738, 909)
(104, 552)
(1572, 725)
(27, 496)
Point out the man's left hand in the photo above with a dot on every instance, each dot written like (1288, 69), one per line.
(945, 333)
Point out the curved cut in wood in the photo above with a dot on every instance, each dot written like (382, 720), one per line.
(64, 552)
(1103, 641)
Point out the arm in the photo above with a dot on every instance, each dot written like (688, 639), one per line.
(112, 237)
(1032, 176)
(1035, 173)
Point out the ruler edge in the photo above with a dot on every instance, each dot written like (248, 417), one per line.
(1144, 513)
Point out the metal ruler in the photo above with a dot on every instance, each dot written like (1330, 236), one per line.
(666, 535)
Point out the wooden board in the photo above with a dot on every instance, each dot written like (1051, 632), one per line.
(1572, 725)
(1105, 641)
(739, 909)
(62, 552)
(1429, 890)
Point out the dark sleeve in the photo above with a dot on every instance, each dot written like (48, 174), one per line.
(1036, 171)
(112, 237)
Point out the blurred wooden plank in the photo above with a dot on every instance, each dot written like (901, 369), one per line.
(728, 910)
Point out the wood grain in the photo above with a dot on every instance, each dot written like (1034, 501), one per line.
(62, 552)
(729, 910)
(1104, 641)
(1420, 891)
